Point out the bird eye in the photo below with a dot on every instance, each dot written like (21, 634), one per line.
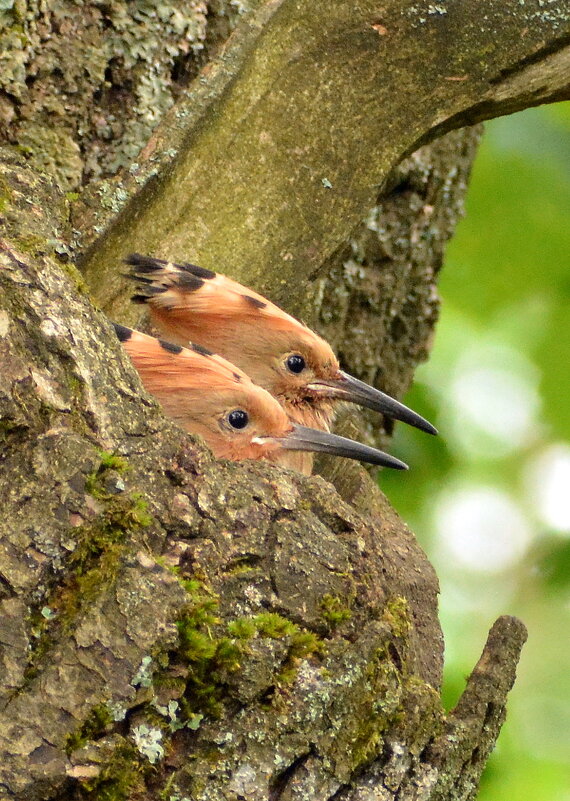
(296, 363)
(238, 418)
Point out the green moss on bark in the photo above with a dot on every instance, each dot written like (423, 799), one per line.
(94, 562)
(95, 724)
(121, 779)
(334, 610)
(396, 615)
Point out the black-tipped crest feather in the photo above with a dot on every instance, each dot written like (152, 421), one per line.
(199, 272)
(170, 346)
(123, 333)
(144, 264)
(148, 264)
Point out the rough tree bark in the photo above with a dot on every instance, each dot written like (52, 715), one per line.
(173, 626)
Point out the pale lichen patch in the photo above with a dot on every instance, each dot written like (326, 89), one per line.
(4, 323)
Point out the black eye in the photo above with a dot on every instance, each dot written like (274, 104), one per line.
(238, 418)
(295, 363)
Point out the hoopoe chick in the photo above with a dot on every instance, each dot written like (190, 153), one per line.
(192, 304)
(209, 396)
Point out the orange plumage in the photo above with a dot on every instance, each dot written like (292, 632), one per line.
(209, 396)
(192, 304)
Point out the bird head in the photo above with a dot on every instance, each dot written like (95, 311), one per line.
(209, 396)
(280, 353)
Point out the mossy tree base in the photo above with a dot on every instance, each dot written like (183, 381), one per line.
(177, 627)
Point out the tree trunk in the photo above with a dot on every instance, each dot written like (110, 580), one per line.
(173, 626)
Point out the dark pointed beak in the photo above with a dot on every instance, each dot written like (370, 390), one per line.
(350, 389)
(302, 438)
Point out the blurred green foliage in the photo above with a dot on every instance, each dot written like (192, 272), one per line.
(490, 498)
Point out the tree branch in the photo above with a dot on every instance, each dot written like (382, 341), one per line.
(306, 95)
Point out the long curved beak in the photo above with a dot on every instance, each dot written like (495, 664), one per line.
(302, 438)
(353, 390)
